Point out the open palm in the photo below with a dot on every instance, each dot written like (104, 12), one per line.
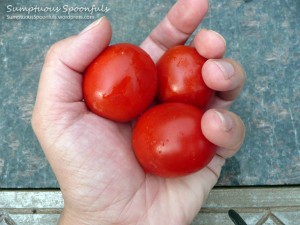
(92, 158)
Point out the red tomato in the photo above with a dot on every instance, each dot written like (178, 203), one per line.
(120, 83)
(180, 77)
(168, 141)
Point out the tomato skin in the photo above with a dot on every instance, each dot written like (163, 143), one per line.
(180, 77)
(168, 141)
(120, 83)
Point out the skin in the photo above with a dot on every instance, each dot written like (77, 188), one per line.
(92, 158)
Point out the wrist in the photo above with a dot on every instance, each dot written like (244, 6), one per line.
(68, 217)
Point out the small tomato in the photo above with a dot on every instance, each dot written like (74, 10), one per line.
(168, 141)
(180, 77)
(120, 83)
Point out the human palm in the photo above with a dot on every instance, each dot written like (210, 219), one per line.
(102, 174)
(92, 158)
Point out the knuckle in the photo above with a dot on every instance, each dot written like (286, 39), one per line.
(34, 120)
(52, 52)
(239, 134)
(239, 69)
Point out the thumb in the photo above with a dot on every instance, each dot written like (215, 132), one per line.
(65, 62)
(77, 52)
(61, 77)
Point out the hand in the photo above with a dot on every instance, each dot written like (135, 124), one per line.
(100, 179)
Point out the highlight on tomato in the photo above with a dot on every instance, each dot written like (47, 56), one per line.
(120, 83)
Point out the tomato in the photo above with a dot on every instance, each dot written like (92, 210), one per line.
(168, 141)
(120, 83)
(180, 77)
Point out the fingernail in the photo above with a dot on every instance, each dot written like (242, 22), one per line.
(226, 68)
(224, 120)
(92, 25)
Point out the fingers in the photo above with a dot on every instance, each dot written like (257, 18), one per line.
(227, 77)
(176, 27)
(224, 129)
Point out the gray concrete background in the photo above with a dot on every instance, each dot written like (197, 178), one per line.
(263, 35)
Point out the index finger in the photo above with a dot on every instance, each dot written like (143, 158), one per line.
(180, 22)
(226, 77)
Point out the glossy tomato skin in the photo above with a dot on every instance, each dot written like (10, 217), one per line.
(120, 83)
(168, 141)
(180, 77)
